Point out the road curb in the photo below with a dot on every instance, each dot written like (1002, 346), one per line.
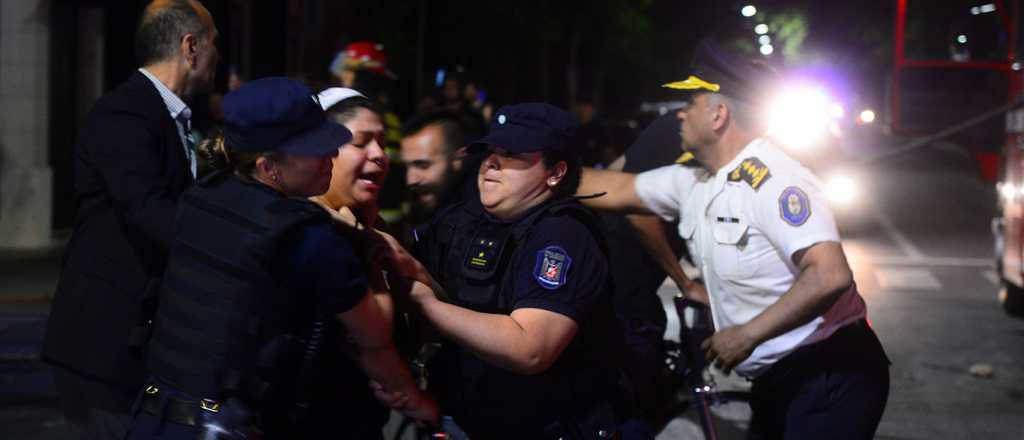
(39, 298)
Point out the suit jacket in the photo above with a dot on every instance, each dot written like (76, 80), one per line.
(129, 171)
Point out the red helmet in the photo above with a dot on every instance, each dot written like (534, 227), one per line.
(366, 55)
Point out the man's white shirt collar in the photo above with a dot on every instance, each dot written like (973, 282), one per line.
(175, 105)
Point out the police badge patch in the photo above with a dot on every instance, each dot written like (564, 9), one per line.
(794, 206)
(552, 265)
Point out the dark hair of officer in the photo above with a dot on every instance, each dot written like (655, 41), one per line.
(452, 128)
(164, 24)
(573, 170)
(215, 155)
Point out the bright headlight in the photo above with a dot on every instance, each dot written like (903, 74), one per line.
(867, 116)
(800, 117)
(841, 190)
(1007, 190)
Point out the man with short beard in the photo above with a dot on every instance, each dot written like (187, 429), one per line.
(436, 170)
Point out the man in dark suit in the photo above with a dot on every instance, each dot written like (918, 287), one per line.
(133, 159)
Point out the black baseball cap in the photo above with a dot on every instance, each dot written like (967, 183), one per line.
(280, 114)
(530, 127)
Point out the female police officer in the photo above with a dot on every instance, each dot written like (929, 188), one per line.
(254, 272)
(524, 282)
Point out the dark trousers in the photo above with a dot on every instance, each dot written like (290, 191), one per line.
(643, 360)
(148, 426)
(96, 410)
(835, 389)
(642, 363)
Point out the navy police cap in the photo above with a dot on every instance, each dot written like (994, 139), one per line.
(280, 114)
(531, 127)
(715, 69)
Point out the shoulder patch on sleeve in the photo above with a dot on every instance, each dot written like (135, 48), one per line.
(752, 171)
(551, 267)
(794, 206)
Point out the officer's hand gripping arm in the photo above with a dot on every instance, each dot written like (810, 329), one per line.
(386, 250)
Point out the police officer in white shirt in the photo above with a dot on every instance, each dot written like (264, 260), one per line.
(787, 312)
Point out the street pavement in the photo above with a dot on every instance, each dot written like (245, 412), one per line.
(919, 243)
(27, 396)
(926, 272)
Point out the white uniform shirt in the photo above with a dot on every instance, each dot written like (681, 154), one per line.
(742, 226)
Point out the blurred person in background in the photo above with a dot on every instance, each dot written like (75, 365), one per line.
(216, 107)
(133, 159)
(594, 137)
(452, 95)
(363, 66)
(477, 98)
(359, 56)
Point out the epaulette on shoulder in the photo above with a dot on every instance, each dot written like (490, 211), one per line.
(687, 159)
(752, 171)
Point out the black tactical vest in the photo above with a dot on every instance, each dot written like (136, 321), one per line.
(224, 325)
(469, 254)
(472, 256)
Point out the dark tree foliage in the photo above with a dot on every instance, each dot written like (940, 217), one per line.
(612, 53)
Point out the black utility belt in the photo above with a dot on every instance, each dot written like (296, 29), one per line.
(180, 411)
